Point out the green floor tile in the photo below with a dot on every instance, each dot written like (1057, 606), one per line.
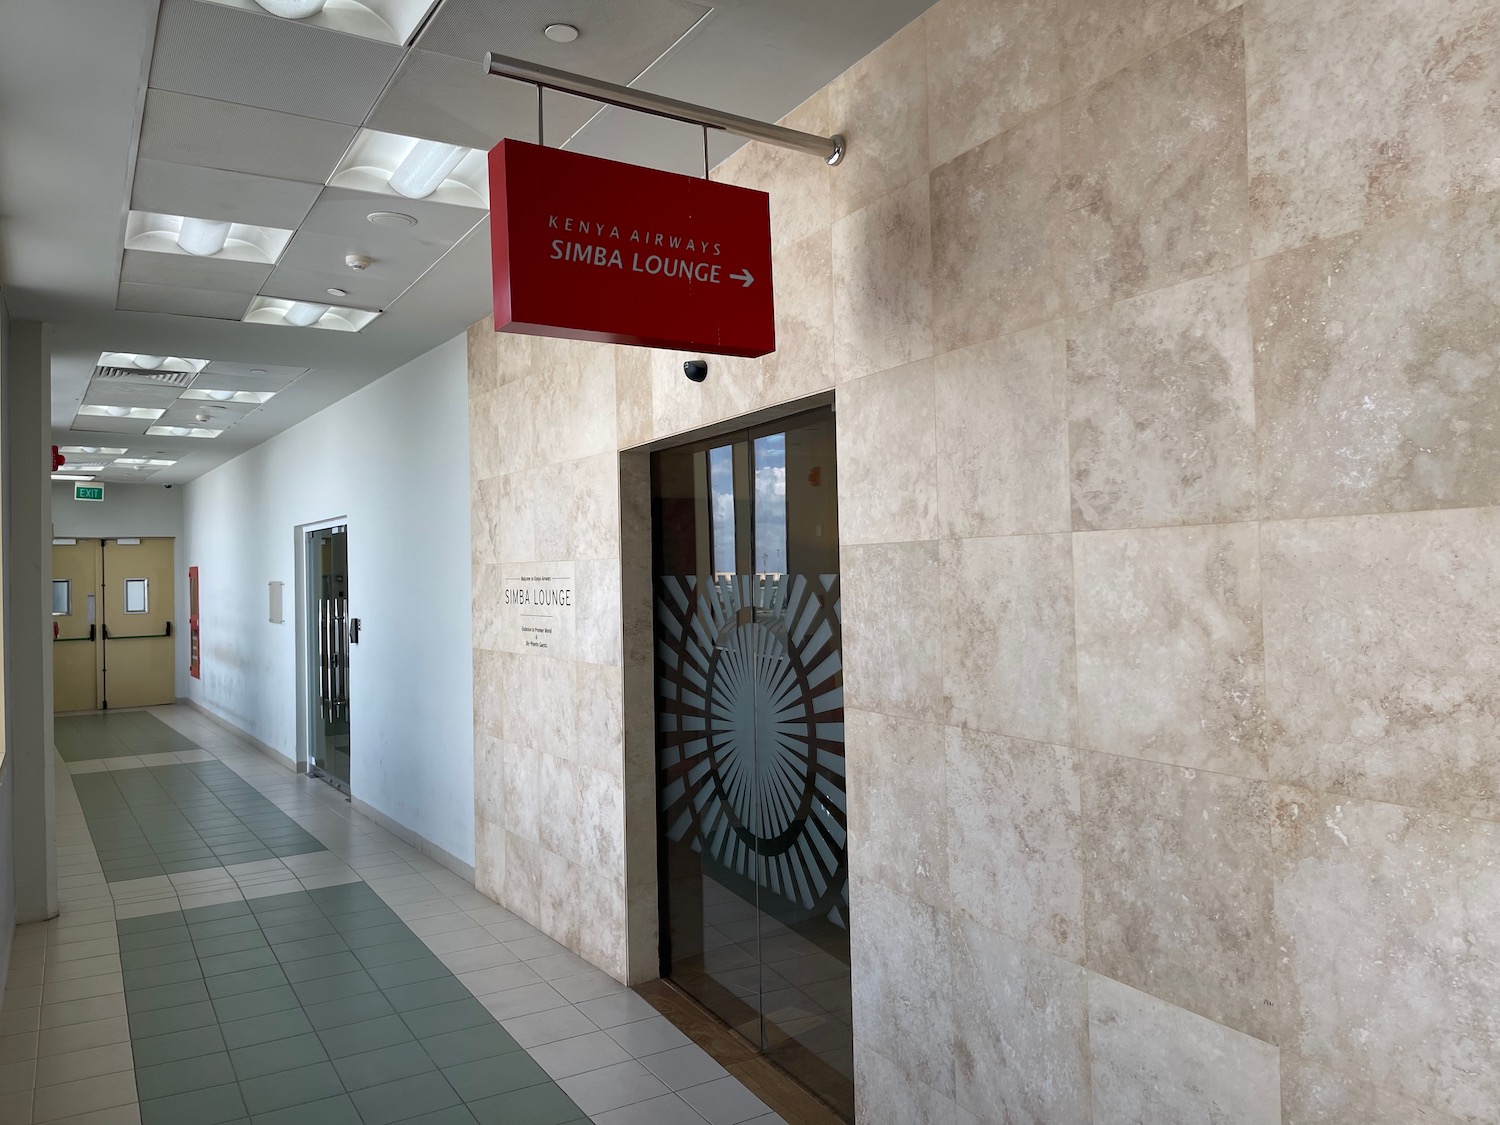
(165, 996)
(374, 1068)
(276, 1056)
(251, 980)
(284, 915)
(310, 947)
(150, 923)
(487, 1077)
(453, 1115)
(201, 1107)
(443, 1018)
(426, 994)
(534, 1105)
(265, 1029)
(229, 943)
(174, 973)
(351, 1009)
(226, 963)
(370, 1035)
(320, 990)
(164, 1021)
(246, 1005)
(362, 919)
(331, 1111)
(314, 1083)
(177, 1046)
(214, 913)
(155, 939)
(315, 967)
(468, 1045)
(404, 1099)
(299, 931)
(162, 1080)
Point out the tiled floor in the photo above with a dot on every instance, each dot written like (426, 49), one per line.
(360, 982)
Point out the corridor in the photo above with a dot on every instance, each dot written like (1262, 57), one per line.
(236, 944)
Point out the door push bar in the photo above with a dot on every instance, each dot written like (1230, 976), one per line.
(138, 636)
(830, 149)
(61, 640)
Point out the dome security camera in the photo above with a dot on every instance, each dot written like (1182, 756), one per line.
(696, 370)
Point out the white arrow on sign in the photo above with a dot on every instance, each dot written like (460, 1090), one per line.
(746, 277)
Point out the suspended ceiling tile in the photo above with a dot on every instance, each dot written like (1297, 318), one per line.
(111, 392)
(220, 375)
(448, 99)
(90, 424)
(215, 304)
(222, 274)
(345, 212)
(222, 415)
(307, 271)
(260, 60)
(215, 134)
(617, 43)
(212, 193)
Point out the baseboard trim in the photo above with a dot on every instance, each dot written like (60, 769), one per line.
(240, 732)
(421, 843)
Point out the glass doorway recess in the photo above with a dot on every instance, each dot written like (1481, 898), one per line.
(328, 616)
(750, 742)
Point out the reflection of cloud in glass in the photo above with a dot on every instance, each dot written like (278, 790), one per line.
(770, 504)
(721, 494)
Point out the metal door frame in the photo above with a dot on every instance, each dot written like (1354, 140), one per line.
(307, 649)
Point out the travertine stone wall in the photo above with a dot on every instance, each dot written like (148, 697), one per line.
(1165, 336)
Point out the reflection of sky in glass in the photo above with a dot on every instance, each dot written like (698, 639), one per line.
(721, 501)
(770, 504)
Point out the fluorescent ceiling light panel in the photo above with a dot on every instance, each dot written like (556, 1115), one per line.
(256, 397)
(145, 413)
(70, 476)
(151, 362)
(162, 234)
(203, 238)
(388, 21)
(83, 467)
(183, 431)
(275, 310)
(91, 450)
(392, 165)
(144, 462)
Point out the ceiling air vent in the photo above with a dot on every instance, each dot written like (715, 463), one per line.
(133, 377)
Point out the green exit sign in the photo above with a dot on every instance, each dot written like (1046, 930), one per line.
(88, 492)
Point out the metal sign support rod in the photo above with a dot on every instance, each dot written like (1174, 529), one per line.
(830, 149)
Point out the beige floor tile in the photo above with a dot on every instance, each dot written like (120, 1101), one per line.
(83, 1036)
(54, 1070)
(16, 1107)
(74, 1098)
(81, 988)
(75, 932)
(83, 1011)
(17, 1076)
(83, 967)
(24, 996)
(21, 978)
(15, 1048)
(19, 1020)
(115, 1115)
(78, 950)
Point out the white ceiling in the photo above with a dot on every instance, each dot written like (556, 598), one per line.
(248, 117)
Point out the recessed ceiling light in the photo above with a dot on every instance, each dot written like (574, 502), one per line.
(70, 476)
(148, 412)
(425, 168)
(338, 292)
(293, 9)
(183, 431)
(148, 362)
(561, 32)
(202, 238)
(304, 314)
(392, 218)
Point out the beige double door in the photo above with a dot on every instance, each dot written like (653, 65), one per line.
(113, 602)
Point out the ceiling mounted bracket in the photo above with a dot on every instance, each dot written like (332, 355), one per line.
(831, 149)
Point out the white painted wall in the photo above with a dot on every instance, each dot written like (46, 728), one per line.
(127, 509)
(392, 462)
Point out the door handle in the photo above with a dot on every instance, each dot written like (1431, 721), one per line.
(354, 630)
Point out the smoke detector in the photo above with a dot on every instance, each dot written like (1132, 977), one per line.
(358, 262)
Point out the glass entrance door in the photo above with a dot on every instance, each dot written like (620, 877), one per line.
(750, 742)
(328, 616)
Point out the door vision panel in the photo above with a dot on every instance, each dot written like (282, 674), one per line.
(750, 742)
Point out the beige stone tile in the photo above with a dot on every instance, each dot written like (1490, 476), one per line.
(1002, 436)
(483, 356)
(489, 713)
(995, 236)
(883, 1097)
(1170, 656)
(594, 511)
(1007, 634)
(880, 105)
(1154, 1062)
(892, 655)
(888, 440)
(521, 786)
(1100, 39)
(803, 362)
(520, 878)
(484, 434)
(1015, 844)
(598, 741)
(585, 819)
(562, 400)
(1177, 892)
(489, 858)
(1161, 402)
(990, 63)
(1409, 123)
(488, 621)
(800, 186)
(633, 413)
(1311, 1091)
(1020, 1036)
(898, 815)
(56, 1069)
(489, 777)
(1374, 375)
(1154, 163)
(597, 585)
(549, 490)
(484, 520)
(1389, 923)
(509, 438)
(882, 269)
(515, 503)
(83, 1096)
(585, 912)
(1380, 663)
(903, 990)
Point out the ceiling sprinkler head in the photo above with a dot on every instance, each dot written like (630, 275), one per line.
(358, 261)
(203, 416)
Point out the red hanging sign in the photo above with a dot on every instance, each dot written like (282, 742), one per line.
(591, 249)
